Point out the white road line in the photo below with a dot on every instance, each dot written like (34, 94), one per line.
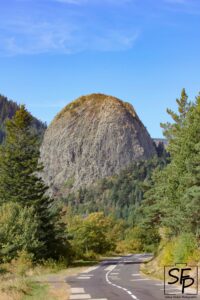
(83, 277)
(77, 290)
(79, 296)
(110, 268)
(140, 279)
(117, 273)
(90, 269)
(118, 286)
(86, 275)
(137, 274)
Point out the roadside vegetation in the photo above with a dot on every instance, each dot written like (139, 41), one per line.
(172, 203)
(152, 206)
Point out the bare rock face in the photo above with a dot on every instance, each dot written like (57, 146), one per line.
(93, 137)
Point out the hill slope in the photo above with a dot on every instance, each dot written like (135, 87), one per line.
(7, 110)
(91, 138)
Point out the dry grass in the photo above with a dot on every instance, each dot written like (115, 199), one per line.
(61, 292)
(95, 98)
(59, 289)
(13, 288)
(40, 282)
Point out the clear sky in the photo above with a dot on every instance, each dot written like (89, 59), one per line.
(142, 51)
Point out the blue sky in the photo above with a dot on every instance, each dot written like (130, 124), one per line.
(142, 51)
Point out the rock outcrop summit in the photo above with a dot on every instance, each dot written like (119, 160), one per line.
(93, 137)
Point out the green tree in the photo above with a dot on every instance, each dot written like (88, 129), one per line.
(20, 181)
(170, 130)
(173, 198)
(190, 183)
(94, 233)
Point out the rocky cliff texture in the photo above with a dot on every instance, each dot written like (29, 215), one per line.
(91, 138)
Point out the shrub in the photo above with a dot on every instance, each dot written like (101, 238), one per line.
(22, 263)
(18, 231)
(139, 239)
(166, 256)
(54, 265)
(185, 246)
(181, 249)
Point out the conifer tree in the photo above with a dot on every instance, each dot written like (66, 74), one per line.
(191, 179)
(20, 181)
(19, 162)
(174, 198)
(171, 130)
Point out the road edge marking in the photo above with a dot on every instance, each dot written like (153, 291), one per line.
(118, 286)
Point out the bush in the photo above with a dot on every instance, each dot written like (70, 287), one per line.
(18, 231)
(22, 263)
(54, 265)
(166, 256)
(141, 240)
(185, 246)
(90, 255)
(181, 249)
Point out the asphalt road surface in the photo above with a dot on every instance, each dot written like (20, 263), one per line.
(120, 279)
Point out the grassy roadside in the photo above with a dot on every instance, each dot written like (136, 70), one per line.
(38, 283)
(19, 280)
(155, 267)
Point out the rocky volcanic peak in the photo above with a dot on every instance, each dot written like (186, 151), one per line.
(93, 137)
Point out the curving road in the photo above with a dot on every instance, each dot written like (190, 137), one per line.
(119, 279)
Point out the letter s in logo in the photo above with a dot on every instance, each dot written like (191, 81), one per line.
(174, 276)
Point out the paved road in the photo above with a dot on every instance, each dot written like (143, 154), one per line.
(119, 279)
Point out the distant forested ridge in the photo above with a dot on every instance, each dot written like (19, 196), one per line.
(8, 109)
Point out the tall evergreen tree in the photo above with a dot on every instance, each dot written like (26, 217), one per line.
(172, 130)
(174, 196)
(191, 180)
(20, 181)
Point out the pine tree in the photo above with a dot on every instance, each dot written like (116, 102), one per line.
(19, 162)
(174, 197)
(171, 130)
(20, 181)
(191, 180)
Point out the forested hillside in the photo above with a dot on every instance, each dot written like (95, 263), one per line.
(7, 110)
(119, 195)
